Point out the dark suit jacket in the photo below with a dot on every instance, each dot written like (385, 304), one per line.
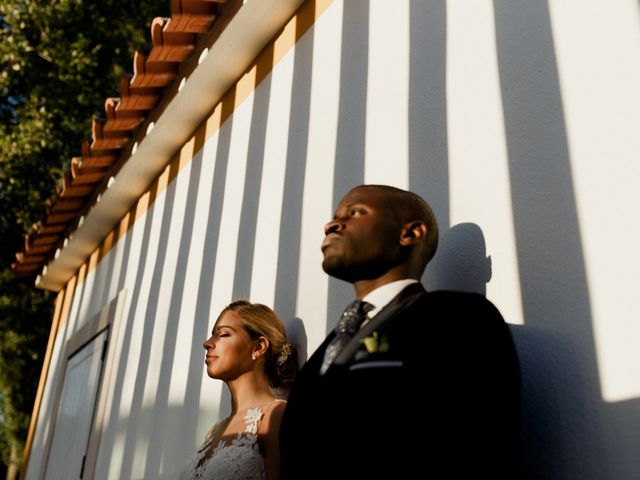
(442, 396)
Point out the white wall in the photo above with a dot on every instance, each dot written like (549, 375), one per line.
(517, 120)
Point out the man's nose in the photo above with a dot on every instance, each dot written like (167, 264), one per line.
(333, 226)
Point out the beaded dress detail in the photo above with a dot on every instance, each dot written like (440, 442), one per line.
(239, 459)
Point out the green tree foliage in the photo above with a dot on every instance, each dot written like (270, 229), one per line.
(25, 314)
(59, 61)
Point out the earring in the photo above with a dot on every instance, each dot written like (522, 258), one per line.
(253, 356)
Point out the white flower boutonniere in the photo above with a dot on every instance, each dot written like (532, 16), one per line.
(376, 343)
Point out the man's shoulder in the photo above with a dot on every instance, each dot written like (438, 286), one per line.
(458, 303)
(449, 295)
(457, 297)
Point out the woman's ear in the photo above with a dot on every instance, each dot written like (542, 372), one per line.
(412, 233)
(261, 347)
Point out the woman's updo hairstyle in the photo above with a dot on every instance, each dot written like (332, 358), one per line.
(281, 359)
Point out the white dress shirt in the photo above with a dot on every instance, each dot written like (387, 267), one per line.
(381, 296)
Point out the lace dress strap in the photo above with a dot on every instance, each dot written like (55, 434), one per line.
(252, 419)
(254, 416)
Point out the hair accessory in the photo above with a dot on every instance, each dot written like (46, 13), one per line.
(285, 353)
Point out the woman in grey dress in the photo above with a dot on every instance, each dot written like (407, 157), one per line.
(249, 351)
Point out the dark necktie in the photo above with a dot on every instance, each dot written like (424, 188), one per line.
(350, 322)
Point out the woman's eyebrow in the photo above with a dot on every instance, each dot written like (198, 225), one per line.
(218, 327)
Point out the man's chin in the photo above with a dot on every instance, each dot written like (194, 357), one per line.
(337, 271)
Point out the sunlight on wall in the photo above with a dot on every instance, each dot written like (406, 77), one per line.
(210, 410)
(185, 344)
(387, 129)
(478, 168)
(165, 295)
(317, 202)
(225, 265)
(117, 455)
(265, 260)
(597, 77)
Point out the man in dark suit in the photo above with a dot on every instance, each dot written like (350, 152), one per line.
(427, 387)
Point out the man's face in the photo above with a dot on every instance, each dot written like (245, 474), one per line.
(362, 241)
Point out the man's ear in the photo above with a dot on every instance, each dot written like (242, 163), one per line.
(412, 233)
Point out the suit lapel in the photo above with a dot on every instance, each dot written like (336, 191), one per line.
(315, 360)
(399, 303)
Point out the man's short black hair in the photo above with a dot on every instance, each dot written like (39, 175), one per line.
(410, 206)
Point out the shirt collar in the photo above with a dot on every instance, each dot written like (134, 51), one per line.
(381, 296)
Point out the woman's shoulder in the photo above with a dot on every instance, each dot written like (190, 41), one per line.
(275, 408)
(272, 414)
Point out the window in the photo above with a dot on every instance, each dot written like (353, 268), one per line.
(73, 442)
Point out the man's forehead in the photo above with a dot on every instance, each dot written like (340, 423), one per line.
(367, 196)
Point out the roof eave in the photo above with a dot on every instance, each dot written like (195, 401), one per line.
(232, 52)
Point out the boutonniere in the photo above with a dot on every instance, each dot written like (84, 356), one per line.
(376, 343)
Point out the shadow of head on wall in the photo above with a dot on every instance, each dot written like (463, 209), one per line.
(461, 261)
(297, 336)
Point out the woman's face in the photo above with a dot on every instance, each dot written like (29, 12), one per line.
(228, 349)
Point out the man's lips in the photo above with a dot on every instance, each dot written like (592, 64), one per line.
(329, 239)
